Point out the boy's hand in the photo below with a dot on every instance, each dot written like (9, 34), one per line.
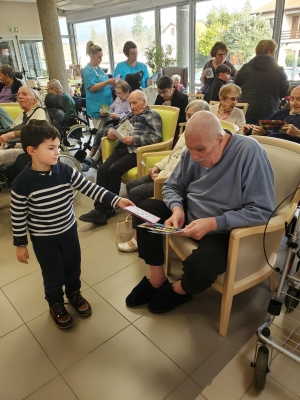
(124, 203)
(22, 254)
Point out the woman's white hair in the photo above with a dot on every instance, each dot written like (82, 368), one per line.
(55, 84)
(198, 105)
(173, 77)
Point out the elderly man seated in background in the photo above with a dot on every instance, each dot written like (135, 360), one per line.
(290, 130)
(147, 129)
(223, 181)
(28, 101)
(55, 87)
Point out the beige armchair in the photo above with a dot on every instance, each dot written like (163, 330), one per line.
(246, 263)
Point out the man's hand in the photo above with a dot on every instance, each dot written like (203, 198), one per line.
(257, 130)
(199, 228)
(111, 135)
(177, 218)
(128, 140)
(291, 130)
(122, 203)
(6, 136)
(22, 254)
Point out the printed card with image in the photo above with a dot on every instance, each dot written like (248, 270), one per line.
(160, 228)
(142, 214)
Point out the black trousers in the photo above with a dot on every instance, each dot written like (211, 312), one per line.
(201, 268)
(110, 172)
(285, 136)
(59, 257)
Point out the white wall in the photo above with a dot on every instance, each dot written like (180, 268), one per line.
(21, 15)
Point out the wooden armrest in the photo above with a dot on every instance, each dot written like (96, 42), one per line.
(158, 183)
(274, 225)
(151, 147)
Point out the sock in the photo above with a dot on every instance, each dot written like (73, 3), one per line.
(91, 154)
(134, 241)
(97, 155)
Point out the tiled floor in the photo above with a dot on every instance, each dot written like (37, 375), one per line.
(122, 353)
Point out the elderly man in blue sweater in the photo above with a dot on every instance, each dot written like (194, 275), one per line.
(223, 181)
(291, 129)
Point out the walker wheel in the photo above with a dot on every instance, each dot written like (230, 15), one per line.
(261, 368)
(290, 302)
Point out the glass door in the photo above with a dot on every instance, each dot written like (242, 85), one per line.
(33, 57)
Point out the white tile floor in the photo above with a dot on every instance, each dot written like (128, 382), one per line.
(122, 353)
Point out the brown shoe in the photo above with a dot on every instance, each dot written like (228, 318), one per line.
(61, 316)
(79, 303)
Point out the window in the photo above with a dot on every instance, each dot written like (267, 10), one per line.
(95, 31)
(241, 25)
(7, 54)
(289, 48)
(140, 28)
(33, 56)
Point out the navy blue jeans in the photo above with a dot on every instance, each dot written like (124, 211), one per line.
(59, 257)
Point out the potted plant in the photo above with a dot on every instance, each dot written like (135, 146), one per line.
(159, 57)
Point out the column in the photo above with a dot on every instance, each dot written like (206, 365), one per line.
(182, 23)
(52, 41)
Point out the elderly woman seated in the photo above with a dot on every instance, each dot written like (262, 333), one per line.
(176, 82)
(54, 86)
(143, 188)
(9, 85)
(225, 110)
(28, 101)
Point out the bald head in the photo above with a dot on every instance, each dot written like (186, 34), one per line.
(205, 138)
(138, 102)
(295, 100)
(204, 123)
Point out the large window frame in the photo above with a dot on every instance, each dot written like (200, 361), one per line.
(192, 25)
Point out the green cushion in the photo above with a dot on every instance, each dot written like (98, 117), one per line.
(130, 175)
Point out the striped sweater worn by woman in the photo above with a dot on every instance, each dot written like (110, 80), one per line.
(43, 202)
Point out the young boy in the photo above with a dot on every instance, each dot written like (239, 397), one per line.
(42, 202)
(222, 77)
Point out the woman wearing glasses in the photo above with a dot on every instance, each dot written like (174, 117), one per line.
(97, 86)
(168, 95)
(219, 53)
(131, 65)
(225, 110)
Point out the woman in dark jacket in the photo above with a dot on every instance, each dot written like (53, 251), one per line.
(168, 95)
(263, 82)
(9, 85)
(219, 53)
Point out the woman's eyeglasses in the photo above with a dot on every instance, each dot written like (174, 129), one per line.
(232, 99)
(163, 91)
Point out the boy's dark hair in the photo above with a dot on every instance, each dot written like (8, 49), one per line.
(222, 68)
(165, 82)
(36, 132)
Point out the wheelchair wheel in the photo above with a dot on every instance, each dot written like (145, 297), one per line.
(291, 299)
(261, 368)
(66, 158)
(74, 137)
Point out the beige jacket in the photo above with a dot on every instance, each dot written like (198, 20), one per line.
(168, 164)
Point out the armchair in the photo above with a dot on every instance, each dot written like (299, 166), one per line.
(169, 116)
(183, 72)
(246, 264)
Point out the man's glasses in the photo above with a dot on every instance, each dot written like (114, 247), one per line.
(232, 99)
(163, 91)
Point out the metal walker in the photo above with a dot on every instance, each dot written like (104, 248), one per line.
(287, 340)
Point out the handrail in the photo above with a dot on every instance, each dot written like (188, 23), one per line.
(292, 34)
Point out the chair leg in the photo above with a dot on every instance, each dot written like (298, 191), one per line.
(225, 312)
(272, 282)
(169, 252)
